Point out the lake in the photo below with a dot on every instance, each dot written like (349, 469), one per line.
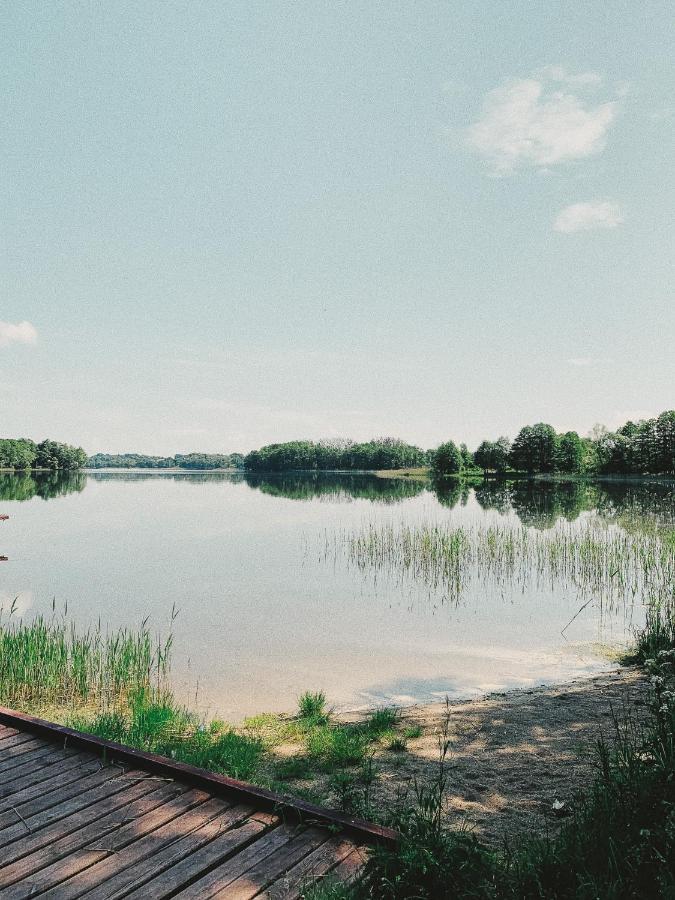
(271, 602)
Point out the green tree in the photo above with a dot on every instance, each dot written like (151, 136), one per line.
(447, 460)
(467, 457)
(493, 455)
(534, 449)
(570, 453)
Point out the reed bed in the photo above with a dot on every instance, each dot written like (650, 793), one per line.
(593, 558)
(47, 663)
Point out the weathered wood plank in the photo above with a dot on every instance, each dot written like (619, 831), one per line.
(6, 731)
(15, 740)
(313, 867)
(38, 773)
(199, 861)
(224, 874)
(101, 785)
(349, 869)
(126, 847)
(51, 878)
(39, 796)
(71, 827)
(22, 755)
(268, 870)
(218, 785)
(38, 850)
(186, 835)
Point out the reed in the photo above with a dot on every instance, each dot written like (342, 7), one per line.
(594, 558)
(47, 663)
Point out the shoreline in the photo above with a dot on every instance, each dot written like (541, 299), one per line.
(513, 754)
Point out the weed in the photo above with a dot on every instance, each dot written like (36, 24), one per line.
(337, 746)
(382, 720)
(412, 732)
(312, 707)
(294, 768)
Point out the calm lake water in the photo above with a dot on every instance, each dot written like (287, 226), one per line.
(268, 608)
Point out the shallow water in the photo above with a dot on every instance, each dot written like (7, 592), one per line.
(265, 612)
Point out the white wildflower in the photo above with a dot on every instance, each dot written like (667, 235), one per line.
(558, 805)
(656, 680)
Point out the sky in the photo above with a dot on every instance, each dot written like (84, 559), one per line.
(231, 223)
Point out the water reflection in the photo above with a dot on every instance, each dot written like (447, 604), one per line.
(536, 503)
(541, 504)
(338, 487)
(47, 485)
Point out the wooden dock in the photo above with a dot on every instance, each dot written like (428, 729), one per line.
(84, 817)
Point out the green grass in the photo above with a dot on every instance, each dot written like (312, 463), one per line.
(155, 723)
(382, 720)
(337, 746)
(412, 732)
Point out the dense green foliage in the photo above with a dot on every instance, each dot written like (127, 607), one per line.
(22, 454)
(383, 453)
(534, 449)
(447, 460)
(493, 455)
(179, 461)
(642, 448)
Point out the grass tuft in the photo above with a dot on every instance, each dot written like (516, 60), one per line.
(312, 707)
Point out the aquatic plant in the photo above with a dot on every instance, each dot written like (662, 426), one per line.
(47, 662)
(592, 558)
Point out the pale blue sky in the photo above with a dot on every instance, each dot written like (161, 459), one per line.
(229, 223)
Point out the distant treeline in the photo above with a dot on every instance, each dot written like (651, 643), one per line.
(637, 448)
(383, 453)
(646, 447)
(179, 461)
(22, 454)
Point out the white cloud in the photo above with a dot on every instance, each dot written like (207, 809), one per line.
(21, 333)
(586, 216)
(532, 122)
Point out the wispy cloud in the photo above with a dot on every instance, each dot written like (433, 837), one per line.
(19, 333)
(559, 73)
(586, 216)
(541, 122)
